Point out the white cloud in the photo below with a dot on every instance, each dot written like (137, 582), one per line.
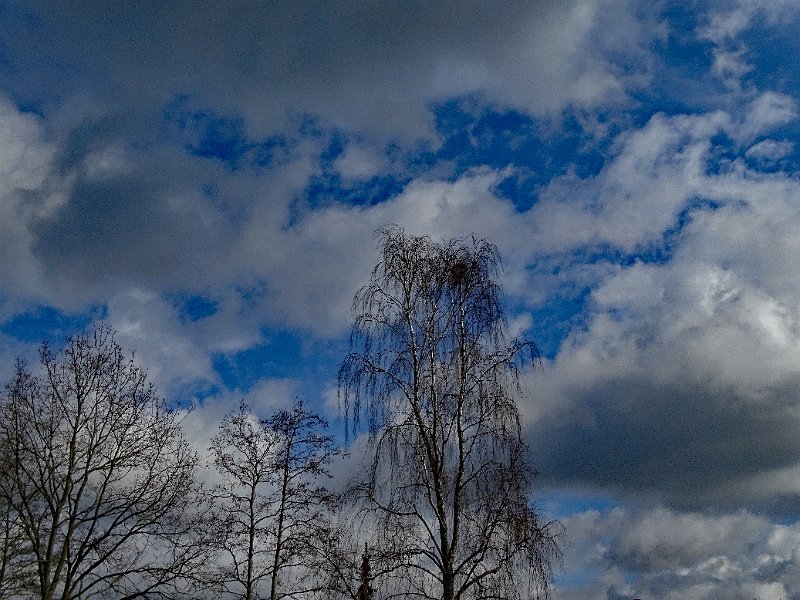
(731, 18)
(731, 66)
(769, 150)
(106, 163)
(720, 309)
(680, 555)
(25, 159)
(174, 361)
(638, 195)
(26, 194)
(767, 112)
(359, 162)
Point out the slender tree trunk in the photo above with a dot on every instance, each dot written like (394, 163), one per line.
(251, 541)
(281, 514)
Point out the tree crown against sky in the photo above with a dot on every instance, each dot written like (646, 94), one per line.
(271, 511)
(432, 368)
(97, 474)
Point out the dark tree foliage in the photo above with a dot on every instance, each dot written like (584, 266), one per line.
(350, 566)
(434, 373)
(365, 590)
(95, 474)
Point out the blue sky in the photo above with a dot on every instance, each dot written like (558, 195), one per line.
(208, 178)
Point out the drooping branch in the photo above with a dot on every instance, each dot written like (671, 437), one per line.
(432, 369)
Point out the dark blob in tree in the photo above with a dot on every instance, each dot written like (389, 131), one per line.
(365, 590)
(432, 369)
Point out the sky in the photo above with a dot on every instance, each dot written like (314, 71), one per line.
(208, 177)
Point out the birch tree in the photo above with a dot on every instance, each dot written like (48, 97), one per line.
(435, 376)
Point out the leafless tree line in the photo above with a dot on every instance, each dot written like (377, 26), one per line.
(102, 495)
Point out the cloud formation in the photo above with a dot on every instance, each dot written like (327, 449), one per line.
(369, 67)
(690, 556)
(687, 357)
(209, 178)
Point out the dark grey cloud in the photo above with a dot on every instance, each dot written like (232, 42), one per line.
(131, 228)
(686, 445)
(372, 66)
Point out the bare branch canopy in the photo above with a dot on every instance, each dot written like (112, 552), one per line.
(435, 375)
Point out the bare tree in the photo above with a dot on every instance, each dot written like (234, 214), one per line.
(244, 454)
(434, 373)
(305, 452)
(17, 571)
(96, 473)
(271, 505)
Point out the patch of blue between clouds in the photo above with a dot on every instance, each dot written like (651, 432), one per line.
(48, 324)
(770, 48)
(725, 153)
(413, 160)
(555, 319)
(569, 308)
(722, 154)
(191, 394)
(328, 189)
(283, 354)
(788, 160)
(473, 134)
(335, 148)
(207, 134)
(563, 503)
(193, 307)
(680, 78)
(477, 134)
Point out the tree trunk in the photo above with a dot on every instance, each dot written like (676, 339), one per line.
(281, 514)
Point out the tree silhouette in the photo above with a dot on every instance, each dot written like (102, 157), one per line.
(96, 474)
(271, 506)
(433, 372)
